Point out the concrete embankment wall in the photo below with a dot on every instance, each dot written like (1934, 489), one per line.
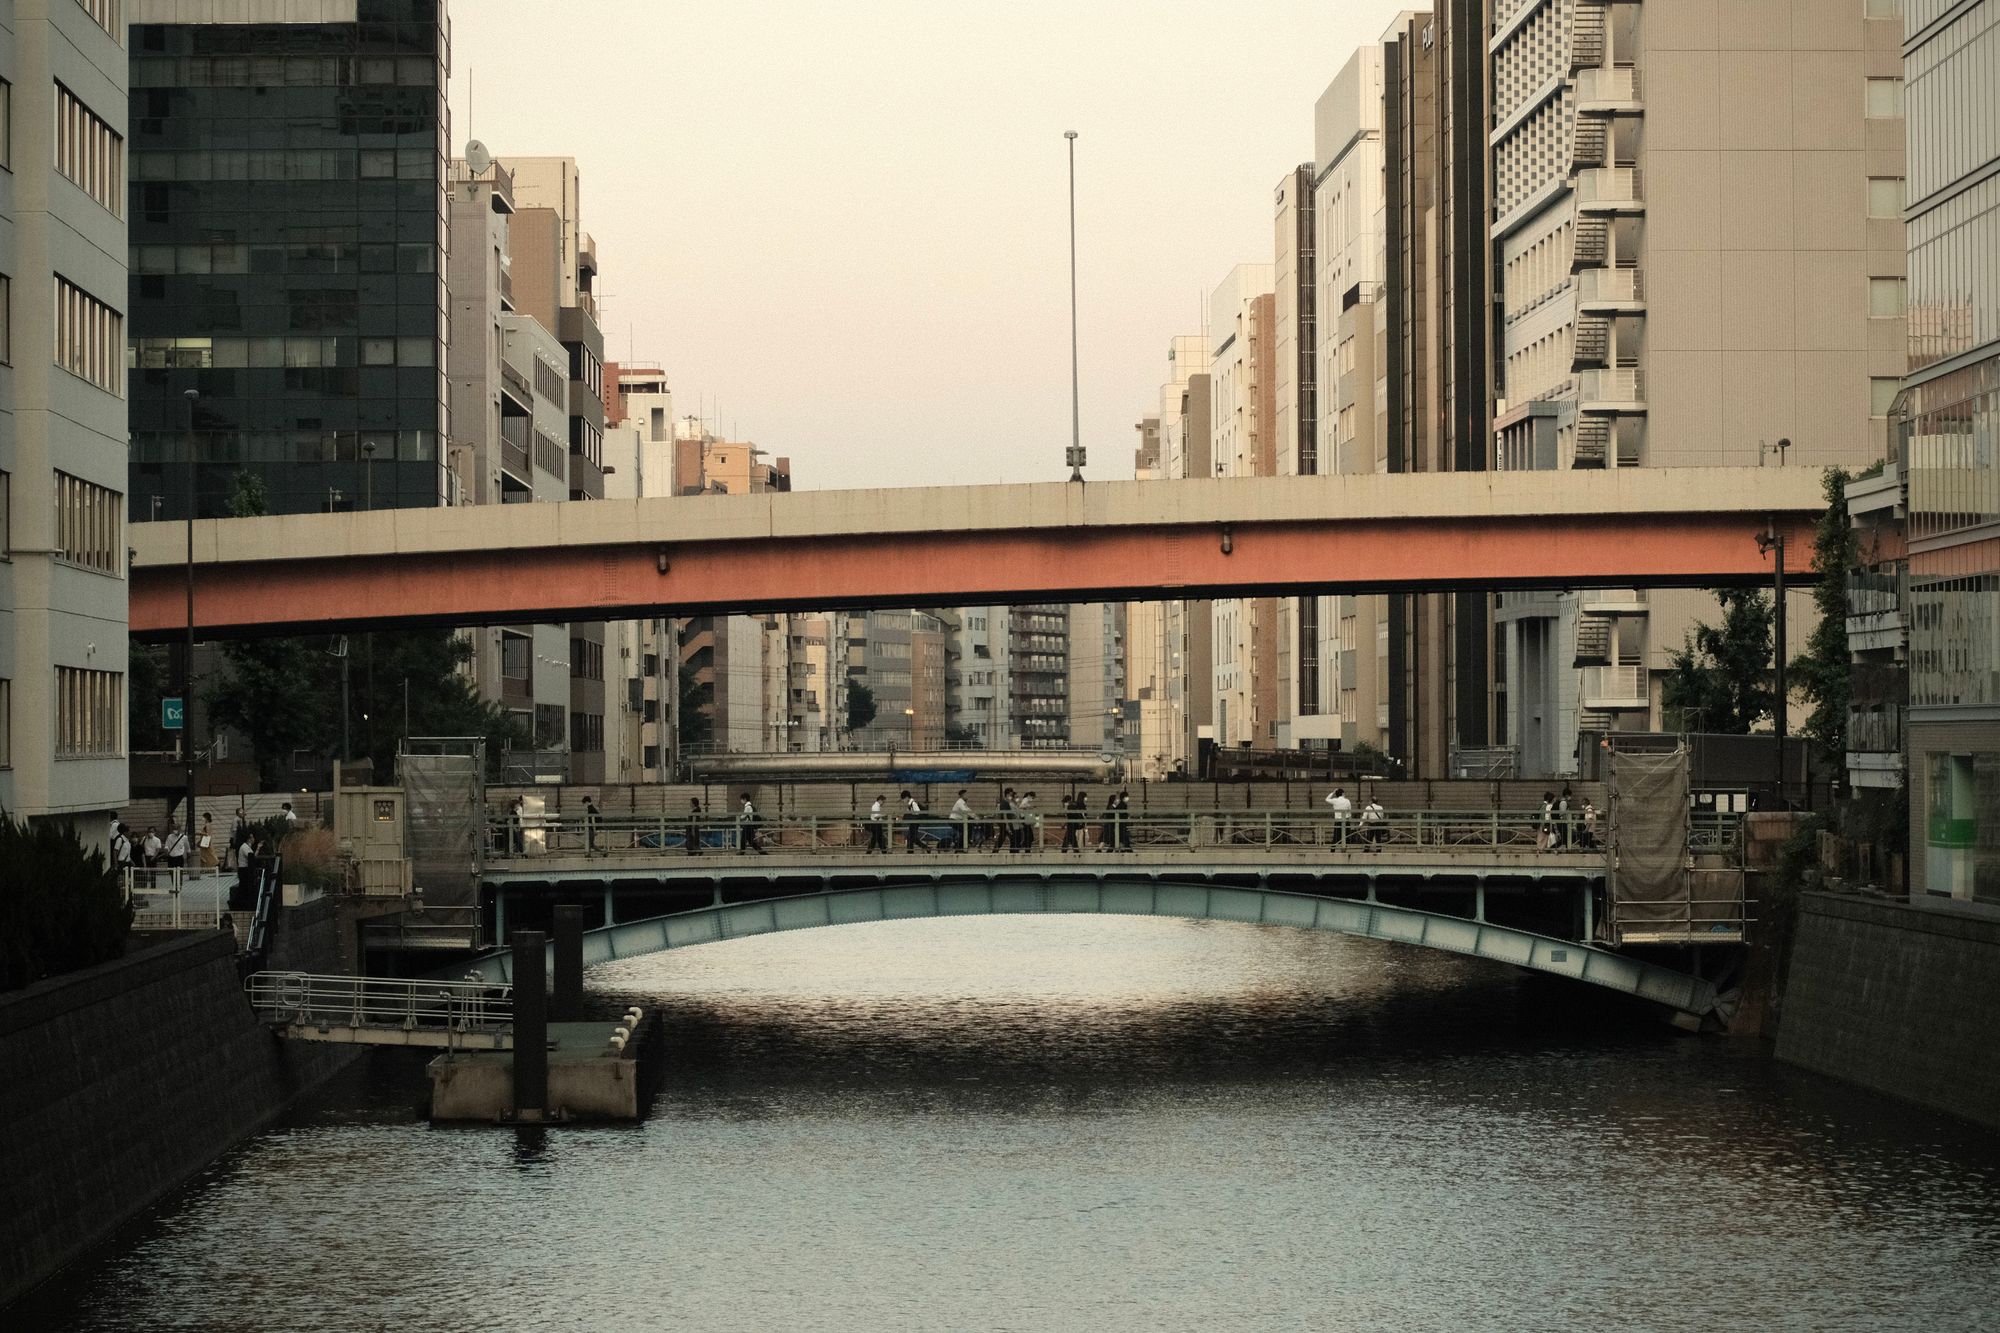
(1900, 997)
(120, 1083)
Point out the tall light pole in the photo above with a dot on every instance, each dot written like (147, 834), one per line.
(193, 396)
(1075, 407)
(367, 475)
(1772, 542)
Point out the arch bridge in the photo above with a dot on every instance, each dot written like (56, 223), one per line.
(1690, 998)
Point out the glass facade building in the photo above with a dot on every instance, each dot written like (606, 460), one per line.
(288, 219)
(1946, 439)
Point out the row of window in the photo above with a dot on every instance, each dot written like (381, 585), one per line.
(89, 523)
(223, 449)
(586, 659)
(288, 164)
(283, 71)
(89, 152)
(106, 14)
(90, 713)
(586, 732)
(325, 256)
(90, 337)
(208, 353)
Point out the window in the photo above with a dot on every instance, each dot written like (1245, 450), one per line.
(89, 152)
(1883, 9)
(586, 732)
(1886, 296)
(6, 515)
(90, 338)
(87, 523)
(1885, 99)
(90, 707)
(106, 14)
(1882, 392)
(6, 125)
(1885, 196)
(6, 723)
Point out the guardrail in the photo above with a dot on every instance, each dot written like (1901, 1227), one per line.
(381, 1010)
(168, 899)
(1442, 830)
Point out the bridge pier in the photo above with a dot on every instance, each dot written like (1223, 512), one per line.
(1479, 900)
(531, 1027)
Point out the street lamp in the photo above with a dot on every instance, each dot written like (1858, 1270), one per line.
(193, 396)
(367, 475)
(1075, 456)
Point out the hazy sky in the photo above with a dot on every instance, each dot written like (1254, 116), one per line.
(842, 226)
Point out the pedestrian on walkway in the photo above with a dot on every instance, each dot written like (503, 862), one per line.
(913, 813)
(290, 816)
(878, 830)
(589, 827)
(961, 820)
(1544, 829)
(1343, 810)
(1003, 821)
(1072, 839)
(1563, 830)
(150, 853)
(694, 826)
(1124, 820)
(1107, 829)
(1028, 833)
(121, 850)
(178, 848)
(1586, 836)
(747, 839)
(516, 840)
(205, 844)
(1374, 825)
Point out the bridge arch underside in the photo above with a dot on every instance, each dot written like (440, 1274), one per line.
(1680, 991)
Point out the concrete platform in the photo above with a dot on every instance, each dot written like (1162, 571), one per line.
(588, 1080)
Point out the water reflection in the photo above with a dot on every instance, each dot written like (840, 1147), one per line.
(1044, 1123)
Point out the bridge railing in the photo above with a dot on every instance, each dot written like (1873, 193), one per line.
(308, 1000)
(1045, 831)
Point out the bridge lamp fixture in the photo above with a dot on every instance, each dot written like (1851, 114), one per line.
(1228, 540)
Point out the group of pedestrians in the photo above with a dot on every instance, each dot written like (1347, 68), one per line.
(1374, 821)
(1015, 826)
(1564, 824)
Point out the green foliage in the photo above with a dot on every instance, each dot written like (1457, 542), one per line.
(958, 733)
(860, 705)
(247, 496)
(1822, 672)
(61, 905)
(697, 701)
(285, 695)
(145, 686)
(1720, 679)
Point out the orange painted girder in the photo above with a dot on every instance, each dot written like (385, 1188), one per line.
(956, 569)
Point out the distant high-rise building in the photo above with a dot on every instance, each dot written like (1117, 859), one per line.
(1243, 426)
(287, 244)
(640, 659)
(63, 478)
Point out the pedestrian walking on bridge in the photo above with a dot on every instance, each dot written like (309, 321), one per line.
(1072, 839)
(746, 828)
(961, 820)
(913, 814)
(878, 830)
(694, 826)
(1343, 810)
(589, 827)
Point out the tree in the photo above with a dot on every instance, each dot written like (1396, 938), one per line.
(62, 906)
(860, 705)
(1822, 672)
(145, 687)
(1720, 678)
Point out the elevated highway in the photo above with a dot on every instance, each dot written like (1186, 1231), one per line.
(970, 546)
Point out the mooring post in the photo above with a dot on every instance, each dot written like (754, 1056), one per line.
(566, 1004)
(531, 1026)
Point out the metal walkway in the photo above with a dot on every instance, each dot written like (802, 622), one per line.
(382, 1011)
(1164, 898)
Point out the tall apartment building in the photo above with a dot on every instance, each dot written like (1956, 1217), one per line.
(1243, 429)
(1699, 257)
(1187, 452)
(63, 447)
(287, 251)
(1155, 733)
(979, 678)
(1307, 668)
(1348, 204)
(1945, 427)
(639, 655)
(1097, 674)
(553, 269)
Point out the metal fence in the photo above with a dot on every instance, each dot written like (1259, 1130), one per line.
(307, 1000)
(533, 837)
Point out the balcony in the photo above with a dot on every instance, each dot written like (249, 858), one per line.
(1614, 602)
(514, 385)
(1620, 390)
(1615, 689)
(1605, 91)
(1610, 190)
(1593, 643)
(1610, 291)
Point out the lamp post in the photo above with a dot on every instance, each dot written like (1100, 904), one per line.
(367, 475)
(193, 396)
(1772, 542)
(1075, 407)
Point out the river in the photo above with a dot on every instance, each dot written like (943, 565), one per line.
(1099, 1124)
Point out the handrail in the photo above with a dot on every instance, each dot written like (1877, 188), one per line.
(625, 835)
(403, 1004)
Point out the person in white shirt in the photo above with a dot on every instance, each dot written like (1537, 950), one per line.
(1343, 811)
(913, 811)
(290, 816)
(878, 832)
(961, 820)
(1027, 832)
(177, 848)
(149, 852)
(1374, 828)
(746, 830)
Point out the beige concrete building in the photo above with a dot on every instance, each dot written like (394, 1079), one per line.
(1187, 452)
(640, 661)
(1243, 434)
(1699, 258)
(1097, 674)
(63, 418)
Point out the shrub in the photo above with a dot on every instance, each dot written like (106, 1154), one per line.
(312, 858)
(61, 904)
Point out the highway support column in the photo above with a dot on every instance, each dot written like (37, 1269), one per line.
(531, 1027)
(566, 1004)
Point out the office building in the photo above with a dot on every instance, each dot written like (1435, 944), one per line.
(1243, 428)
(63, 500)
(1097, 698)
(1946, 422)
(287, 242)
(1695, 217)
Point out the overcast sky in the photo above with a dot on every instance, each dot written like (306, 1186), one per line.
(841, 227)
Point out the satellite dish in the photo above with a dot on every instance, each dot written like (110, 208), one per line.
(477, 158)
